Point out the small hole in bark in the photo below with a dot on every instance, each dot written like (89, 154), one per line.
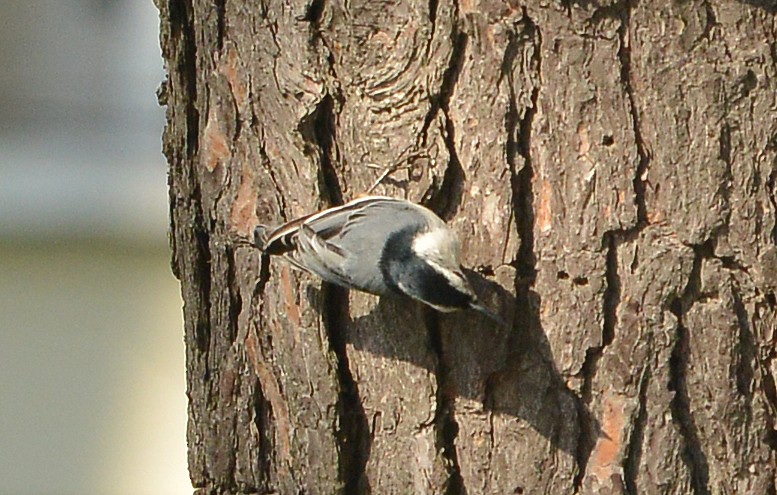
(607, 140)
(518, 490)
(580, 280)
(771, 299)
(562, 275)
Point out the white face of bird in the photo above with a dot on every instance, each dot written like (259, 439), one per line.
(440, 248)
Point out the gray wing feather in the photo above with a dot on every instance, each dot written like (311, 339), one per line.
(316, 254)
(343, 245)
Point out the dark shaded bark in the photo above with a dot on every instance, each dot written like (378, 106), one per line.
(610, 168)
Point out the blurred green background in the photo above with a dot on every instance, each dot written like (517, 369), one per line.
(92, 375)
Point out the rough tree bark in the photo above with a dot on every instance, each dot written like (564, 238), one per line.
(611, 169)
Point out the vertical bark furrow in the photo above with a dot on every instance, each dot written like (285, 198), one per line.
(262, 419)
(445, 200)
(680, 406)
(182, 28)
(202, 277)
(633, 456)
(746, 354)
(221, 22)
(524, 178)
(433, 6)
(313, 12)
(693, 454)
(235, 299)
(458, 41)
(724, 154)
(440, 100)
(611, 300)
(624, 54)
(353, 429)
(772, 185)
(323, 123)
(446, 427)
(586, 440)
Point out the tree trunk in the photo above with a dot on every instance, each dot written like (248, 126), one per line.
(611, 171)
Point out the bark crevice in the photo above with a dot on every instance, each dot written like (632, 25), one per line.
(624, 55)
(746, 355)
(633, 456)
(772, 185)
(352, 428)
(235, 299)
(319, 129)
(313, 12)
(446, 198)
(182, 27)
(446, 427)
(611, 301)
(440, 100)
(693, 454)
(523, 178)
(221, 22)
(202, 278)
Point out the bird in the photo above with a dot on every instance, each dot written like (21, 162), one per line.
(378, 245)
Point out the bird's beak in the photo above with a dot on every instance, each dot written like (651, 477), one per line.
(487, 312)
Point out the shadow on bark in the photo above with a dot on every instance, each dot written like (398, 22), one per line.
(509, 371)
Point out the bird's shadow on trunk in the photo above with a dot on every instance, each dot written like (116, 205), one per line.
(507, 370)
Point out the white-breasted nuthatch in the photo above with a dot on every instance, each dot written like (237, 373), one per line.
(378, 245)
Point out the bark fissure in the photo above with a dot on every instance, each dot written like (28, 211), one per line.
(433, 6)
(512, 118)
(772, 184)
(446, 427)
(624, 55)
(724, 154)
(634, 450)
(320, 128)
(447, 196)
(262, 414)
(523, 178)
(235, 299)
(314, 12)
(693, 454)
(611, 301)
(440, 100)
(221, 22)
(446, 199)
(746, 354)
(202, 279)
(182, 27)
(770, 392)
(352, 430)
(586, 441)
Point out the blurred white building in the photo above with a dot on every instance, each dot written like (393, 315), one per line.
(92, 389)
